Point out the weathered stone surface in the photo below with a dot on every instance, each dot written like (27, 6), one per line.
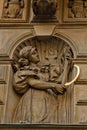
(16, 32)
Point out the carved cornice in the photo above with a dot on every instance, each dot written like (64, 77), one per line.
(31, 25)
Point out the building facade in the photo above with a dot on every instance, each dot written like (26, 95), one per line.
(52, 93)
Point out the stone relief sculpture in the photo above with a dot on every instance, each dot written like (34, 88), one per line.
(43, 9)
(77, 9)
(13, 8)
(40, 82)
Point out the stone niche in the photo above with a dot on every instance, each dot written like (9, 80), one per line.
(36, 90)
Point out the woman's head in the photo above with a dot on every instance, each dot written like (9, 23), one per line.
(30, 53)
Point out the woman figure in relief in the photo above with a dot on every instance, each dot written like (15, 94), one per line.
(39, 102)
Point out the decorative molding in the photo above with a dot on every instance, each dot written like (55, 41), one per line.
(81, 81)
(80, 61)
(23, 25)
(82, 102)
(2, 94)
(4, 59)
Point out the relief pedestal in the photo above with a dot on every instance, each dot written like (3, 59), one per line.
(42, 127)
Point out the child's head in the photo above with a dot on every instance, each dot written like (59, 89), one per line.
(45, 69)
(23, 62)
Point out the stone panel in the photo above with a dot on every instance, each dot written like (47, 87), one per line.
(2, 101)
(13, 11)
(83, 73)
(3, 71)
(80, 93)
(2, 94)
(75, 11)
(80, 104)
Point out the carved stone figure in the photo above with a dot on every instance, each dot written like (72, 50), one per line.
(44, 8)
(76, 9)
(39, 84)
(13, 8)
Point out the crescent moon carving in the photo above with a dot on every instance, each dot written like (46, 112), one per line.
(77, 75)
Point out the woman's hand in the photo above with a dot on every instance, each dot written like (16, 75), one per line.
(59, 88)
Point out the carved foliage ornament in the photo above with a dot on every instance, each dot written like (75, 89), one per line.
(13, 8)
(41, 73)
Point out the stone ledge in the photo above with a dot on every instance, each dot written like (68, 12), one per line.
(41, 127)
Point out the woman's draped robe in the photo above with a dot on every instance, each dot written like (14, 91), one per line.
(35, 106)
